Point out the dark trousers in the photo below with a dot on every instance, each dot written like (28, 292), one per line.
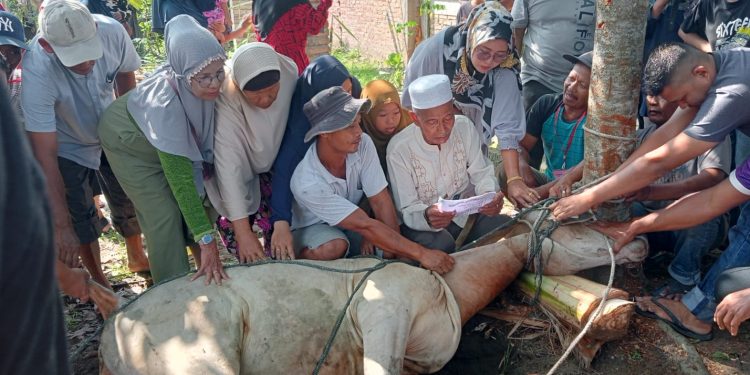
(445, 239)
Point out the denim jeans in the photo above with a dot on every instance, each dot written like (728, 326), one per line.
(701, 300)
(689, 246)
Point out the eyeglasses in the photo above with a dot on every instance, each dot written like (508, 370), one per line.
(204, 81)
(483, 54)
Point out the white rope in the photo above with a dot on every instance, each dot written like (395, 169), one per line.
(609, 136)
(596, 314)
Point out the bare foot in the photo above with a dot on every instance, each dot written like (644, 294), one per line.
(137, 260)
(680, 311)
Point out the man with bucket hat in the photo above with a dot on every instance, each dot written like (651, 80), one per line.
(339, 169)
(70, 74)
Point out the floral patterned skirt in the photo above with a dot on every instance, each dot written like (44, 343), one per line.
(259, 221)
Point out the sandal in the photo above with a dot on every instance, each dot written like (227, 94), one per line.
(673, 322)
(670, 288)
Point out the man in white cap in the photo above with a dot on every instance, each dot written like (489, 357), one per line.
(440, 157)
(70, 74)
(338, 169)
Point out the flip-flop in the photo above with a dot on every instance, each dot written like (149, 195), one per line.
(673, 322)
(670, 288)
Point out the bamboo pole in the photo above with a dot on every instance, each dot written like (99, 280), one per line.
(614, 92)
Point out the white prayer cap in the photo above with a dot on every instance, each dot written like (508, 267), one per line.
(430, 91)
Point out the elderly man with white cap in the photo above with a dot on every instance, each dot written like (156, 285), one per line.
(339, 168)
(440, 157)
(70, 74)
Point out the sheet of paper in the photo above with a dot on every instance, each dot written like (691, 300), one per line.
(465, 206)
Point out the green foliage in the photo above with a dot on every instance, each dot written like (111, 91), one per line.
(406, 27)
(367, 70)
(396, 64)
(150, 45)
(429, 7)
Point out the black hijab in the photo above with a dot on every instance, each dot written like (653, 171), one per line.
(267, 12)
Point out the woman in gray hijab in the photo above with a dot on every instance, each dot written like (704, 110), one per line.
(159, 140)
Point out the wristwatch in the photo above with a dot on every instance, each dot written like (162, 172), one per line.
(206, 239)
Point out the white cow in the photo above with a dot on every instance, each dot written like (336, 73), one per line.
(276, 318)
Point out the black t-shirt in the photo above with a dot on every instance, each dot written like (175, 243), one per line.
(32, 337)
(719, 21)
(542, 109)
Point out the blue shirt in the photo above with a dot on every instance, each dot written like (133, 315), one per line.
(557, 139)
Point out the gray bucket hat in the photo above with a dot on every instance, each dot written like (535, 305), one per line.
(331, 110)
(586, 59)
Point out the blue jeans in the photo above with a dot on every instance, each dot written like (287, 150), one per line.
(701, 300)
(689, 246)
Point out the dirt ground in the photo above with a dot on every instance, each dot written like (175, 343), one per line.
(485, 347)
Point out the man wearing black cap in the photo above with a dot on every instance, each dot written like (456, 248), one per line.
(12, 46)
(338, 169)
(558, 119)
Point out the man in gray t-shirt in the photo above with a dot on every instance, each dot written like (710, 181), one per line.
(705, 171)
(69, 78)
(712, 92)
(543, 31)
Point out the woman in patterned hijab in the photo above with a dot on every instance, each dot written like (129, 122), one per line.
(479, 58)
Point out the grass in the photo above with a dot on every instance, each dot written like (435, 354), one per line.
(366, 69)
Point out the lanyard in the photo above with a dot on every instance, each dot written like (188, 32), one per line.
(570, 137)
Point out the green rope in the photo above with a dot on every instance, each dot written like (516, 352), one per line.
(342, 314)
(334, 331)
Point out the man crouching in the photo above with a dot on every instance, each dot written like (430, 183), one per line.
(440, 157)
(339, 168)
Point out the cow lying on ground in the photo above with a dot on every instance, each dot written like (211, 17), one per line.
(275, 318)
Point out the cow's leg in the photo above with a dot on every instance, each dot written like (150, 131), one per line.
(384, 324)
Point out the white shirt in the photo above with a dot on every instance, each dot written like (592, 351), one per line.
(320, 197)
(420, 173)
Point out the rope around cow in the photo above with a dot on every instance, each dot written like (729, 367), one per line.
(538, 233)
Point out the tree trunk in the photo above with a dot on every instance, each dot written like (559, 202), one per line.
(573, 300)
(614, 91)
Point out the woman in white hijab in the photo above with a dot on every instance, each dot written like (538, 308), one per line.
(251, 116)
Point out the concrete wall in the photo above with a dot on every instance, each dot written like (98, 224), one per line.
(366, 25)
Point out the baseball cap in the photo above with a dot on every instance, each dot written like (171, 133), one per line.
(331, 110)
(585, 59)
(71, 31)
(11, 30)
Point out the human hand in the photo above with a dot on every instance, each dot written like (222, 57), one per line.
(105, 299)
(521, 195)
(250, 250)
(68, 247)
(494, 207)
(366, 247)
(733, 310)
(639, 195)
(620, 232)
(438, 219)
(73, 281)
(210, 265)
(436, 260)
(562, 188)
(282, 244)
(526, 173)
(247, 21)
(573, 205)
